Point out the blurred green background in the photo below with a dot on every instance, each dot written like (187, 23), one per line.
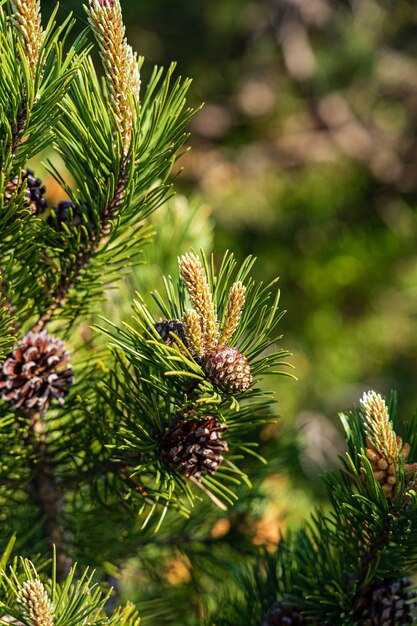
(305, 155)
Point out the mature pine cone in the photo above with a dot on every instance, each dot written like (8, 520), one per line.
(283, 615)
(35, 190)
(194, 446)
(35, 372)
(229, 369)
(166, 327)
(386, 603)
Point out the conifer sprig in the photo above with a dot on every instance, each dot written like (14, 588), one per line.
(34, 79)
(160, 377)
(348, 565)
(116, 190)
(24, 598)
(385, 450)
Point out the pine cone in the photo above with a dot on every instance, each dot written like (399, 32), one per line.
(166, 327)
(35, 372)
(229, 369)
(194, 446)
(386, 603)
(283, 615)
(35, 190)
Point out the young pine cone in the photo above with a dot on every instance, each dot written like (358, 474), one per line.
(194, 446)
(283, 615)
(229, 369)
(35, 190)
(62, 211)
(35, 372)
(386, 603)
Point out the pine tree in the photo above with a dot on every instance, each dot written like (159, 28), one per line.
(120, 440)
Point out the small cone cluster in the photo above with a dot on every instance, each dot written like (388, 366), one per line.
(225, 366)
(386, 603)
(35, 199)
(35, 604)
(36, 371)
(120, 63)
(282, 614)
(384, 449)
(168, 327)
(194, 446)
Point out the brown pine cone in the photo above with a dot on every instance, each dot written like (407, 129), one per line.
(35, 372)
(194, 446)
(228, 369)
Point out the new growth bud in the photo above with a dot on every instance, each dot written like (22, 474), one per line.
(102, 3)
(193, 275)
(120, 63)
(378, 426)
(27, 21)
(35, 604)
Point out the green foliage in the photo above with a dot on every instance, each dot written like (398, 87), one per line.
(156, 382)
(90, 476)
(30, 102)
(30, 108)
(6, 336)
(328, 564)
(75, 600)
(95, 160)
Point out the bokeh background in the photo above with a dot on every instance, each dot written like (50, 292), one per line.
(304, 155)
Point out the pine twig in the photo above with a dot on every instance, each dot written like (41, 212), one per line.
(46, 494)
(69, 278)
(18, 128)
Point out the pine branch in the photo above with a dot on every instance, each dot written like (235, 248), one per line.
(120, 170)
(33, 82)
(338, 567)
(69, 278)
(182, 406)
